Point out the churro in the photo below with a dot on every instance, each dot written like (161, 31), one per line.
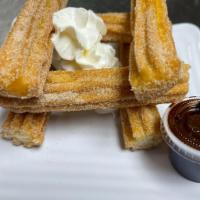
(25, 57)
(154, 65)
(89, 89)
(25, 129)
(141, 127)
(118, 27)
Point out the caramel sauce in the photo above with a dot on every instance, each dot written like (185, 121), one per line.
(184, 122)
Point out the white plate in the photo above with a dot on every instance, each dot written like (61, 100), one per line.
(82, 157)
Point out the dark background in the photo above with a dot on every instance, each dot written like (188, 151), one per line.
(179, 10)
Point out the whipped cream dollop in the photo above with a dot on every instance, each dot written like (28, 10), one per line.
(77, 41)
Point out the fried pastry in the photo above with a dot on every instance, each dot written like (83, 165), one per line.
(154, 65)
(89, 89)
(119, 18)
(25, 129)
(118, 27)
(25, 57)
(141, 127)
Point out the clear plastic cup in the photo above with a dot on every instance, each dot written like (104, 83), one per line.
(184, 158)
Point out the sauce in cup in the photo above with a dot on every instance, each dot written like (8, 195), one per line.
(184, 122)
(181, 131)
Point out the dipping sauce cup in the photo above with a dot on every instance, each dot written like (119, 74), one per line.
(181, 131)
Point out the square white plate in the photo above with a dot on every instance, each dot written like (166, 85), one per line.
(82, 157)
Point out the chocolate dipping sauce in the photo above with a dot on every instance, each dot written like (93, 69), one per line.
(184, 122)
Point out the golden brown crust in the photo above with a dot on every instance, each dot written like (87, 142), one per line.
(27, 49)
(118, 27)
(141, 127)
(89, 89)
(120, 18)
(117, 37)
(25, 129)
(154, 65)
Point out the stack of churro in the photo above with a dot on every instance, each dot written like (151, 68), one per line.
(151, 74)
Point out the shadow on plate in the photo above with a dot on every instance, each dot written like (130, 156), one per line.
(158, 163)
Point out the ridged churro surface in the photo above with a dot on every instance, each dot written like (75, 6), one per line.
(89, 89)
(118, 27)
(141, 127)
(27, 50)
(25, 129)
(154, 65)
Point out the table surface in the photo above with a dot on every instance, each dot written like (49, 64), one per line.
(179, 10)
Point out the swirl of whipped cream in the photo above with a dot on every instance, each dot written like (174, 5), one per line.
(77, 40)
